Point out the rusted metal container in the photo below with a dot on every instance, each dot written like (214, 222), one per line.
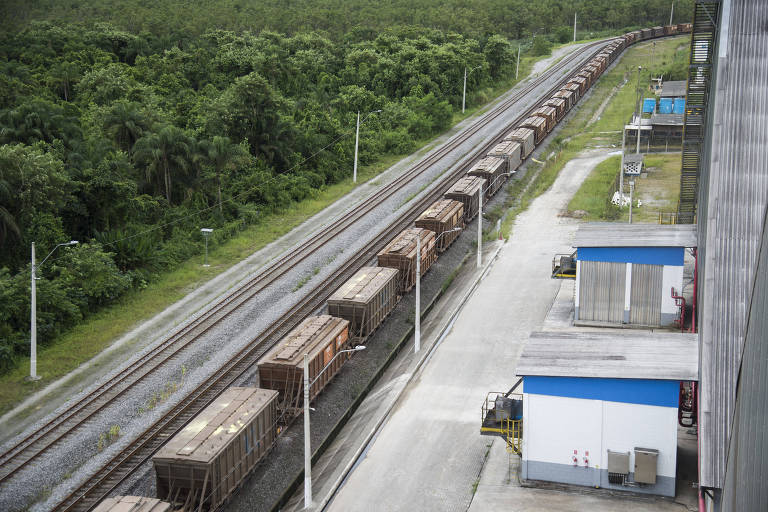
(493, 168)
(539, 126)
(401, 254)
(132, 504)
(526, 137)
(566, 96)
(444, 215)
(365, 300)
(575, 89)
(467, 190)
(558, 104)
(282, 368)
(200, 466)
(549, 114)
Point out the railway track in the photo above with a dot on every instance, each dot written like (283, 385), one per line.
(114, 472)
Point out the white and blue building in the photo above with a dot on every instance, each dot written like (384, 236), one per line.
(601, 409)
(625, 273)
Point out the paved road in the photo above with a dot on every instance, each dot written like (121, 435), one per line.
(429, 455)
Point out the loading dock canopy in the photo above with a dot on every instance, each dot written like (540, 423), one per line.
(615, 355)
(611, 234)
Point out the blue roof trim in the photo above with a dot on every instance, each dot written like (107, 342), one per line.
(674, 256)
(662, 393)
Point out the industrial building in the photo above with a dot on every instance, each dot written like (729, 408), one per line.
(601, 409)
(630, 273)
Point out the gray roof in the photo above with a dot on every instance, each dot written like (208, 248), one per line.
(633, 157)
(667, 119)
(674, 88)
(625, 355)
(615, 234)
(732, 202)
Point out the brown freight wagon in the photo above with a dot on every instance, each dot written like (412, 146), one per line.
(201, 466)
(444, 215)
(594, 71)
(670, 30)
(493, 168)
(567, 96)
(658, 31)
(684, 27)
(509, 150)
(467, 190)
(538, 125)
(558, 104)
(549, 114)
(282, 368)
(587, 76)
(365, 300)
(400, 253)
(132, 504)
(582, 83)
(646, 33)
(575, 89)
(526, 137)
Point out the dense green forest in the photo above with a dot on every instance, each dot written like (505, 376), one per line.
(132, 131)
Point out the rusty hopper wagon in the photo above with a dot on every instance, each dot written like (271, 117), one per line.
(503, 159)
(558, 104)
(526, 137)
(582, 82)
(467, 190)
(444, 215)
(549, 114)
(538, 125)
(132, 504)
(203, 464)
(365, 300)
(575, 89)
(401, 254)
(586, 76)
(282, 368)
(568, 96)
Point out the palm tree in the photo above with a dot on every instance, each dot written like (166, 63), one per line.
(125, 123)
(167, 152)
(222, 155)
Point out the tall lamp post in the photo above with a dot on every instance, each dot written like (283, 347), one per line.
(307, 444)
(357, 139)
(464, 95)
(417, 315)
(33, 310)
(206, 233)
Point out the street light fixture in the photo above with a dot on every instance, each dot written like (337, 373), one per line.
(357, 138)
(33, 310)
(206, 233)
(417, 316)
(307, 444)
(464, 96)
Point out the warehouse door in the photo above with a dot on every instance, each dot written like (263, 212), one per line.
(645, 298)
(601, 291)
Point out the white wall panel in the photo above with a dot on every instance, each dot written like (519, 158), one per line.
(673, 277)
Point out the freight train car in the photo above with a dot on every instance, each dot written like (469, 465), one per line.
(445, 218)
(495, 167)
(400, 253)
(468, 190)
(365, 300)
(526, 137)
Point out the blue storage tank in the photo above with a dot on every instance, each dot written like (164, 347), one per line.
(649, 105)
(679, 107)
(665, 105)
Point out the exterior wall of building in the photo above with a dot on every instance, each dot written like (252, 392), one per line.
(567, 438)
(671, 258)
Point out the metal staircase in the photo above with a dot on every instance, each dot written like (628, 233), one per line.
(700, 73)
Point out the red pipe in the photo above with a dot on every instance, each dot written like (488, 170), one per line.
(680, 301)
(695, 289)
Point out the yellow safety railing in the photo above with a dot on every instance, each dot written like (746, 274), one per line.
(509, 428)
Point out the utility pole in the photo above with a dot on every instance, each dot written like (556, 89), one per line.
(307, 446)
(671, 11)
(33, 318)
(417, 317)
(357, 138)
(621, 169)
(517, 69)
(631, 195)
(574, 27)
(639, 116)
(480, 228)
(464, 95)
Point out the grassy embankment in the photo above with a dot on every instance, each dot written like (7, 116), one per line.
(597, 124)
(83, 342)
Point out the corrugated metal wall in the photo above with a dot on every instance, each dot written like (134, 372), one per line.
(732, 202)
(601, 291)
(747, 467)
(645, 298)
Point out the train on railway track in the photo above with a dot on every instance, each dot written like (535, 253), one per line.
(202, 464)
